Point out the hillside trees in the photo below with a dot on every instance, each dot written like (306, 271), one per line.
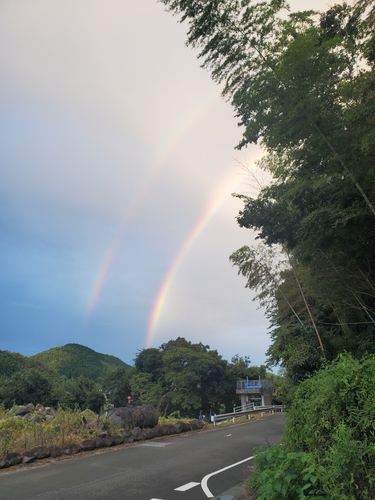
(116, 386)
(179, 377)
(191, 378)
(302, 86)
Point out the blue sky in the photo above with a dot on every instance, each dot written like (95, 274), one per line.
(114, 146)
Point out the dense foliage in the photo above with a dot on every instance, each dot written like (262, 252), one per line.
(302, 85)
(179, 377)
(183, 378)
(328, 450)
(67, 376)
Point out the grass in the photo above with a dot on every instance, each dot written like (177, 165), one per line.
(68, 426)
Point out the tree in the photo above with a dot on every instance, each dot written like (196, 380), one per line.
(302, 85)
(117, 386)
(80, 393)
(150, 361)
(193, 376)
(28, 385)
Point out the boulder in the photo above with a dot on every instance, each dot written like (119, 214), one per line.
(41, 452)
(14, 458)
(155, 432)
(168, 429)
(162, 430)
(22, 409)
(55, 451)
(34, 418)
(100, 443)
(138, 434)
(196, 424)
(71, 449)
(181, 427)
(88, 445)
(108, 441)
(127, 436)
(4, 463)
(28, 457)
(118, 439)
(134, 416)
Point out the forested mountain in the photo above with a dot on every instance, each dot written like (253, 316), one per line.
(68, 376)
(74, 360)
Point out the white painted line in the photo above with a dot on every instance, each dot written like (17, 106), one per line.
(155, 445)
(206, 478)
(186, 487)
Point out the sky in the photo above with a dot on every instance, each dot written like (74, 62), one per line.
(117, 166)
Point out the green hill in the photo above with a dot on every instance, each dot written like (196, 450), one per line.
(73, 360)
(11, 362)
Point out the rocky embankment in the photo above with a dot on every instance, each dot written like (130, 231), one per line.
(119, 416)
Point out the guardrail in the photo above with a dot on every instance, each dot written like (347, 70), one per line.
(248, 385)
(237, 414)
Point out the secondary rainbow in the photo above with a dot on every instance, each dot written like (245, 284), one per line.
(139, 196)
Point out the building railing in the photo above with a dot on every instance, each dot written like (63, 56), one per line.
(243, 385)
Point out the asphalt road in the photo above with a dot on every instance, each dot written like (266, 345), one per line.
(180, 467)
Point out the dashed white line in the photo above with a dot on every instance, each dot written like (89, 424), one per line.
(186, 486)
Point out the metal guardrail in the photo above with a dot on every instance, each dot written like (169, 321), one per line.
(246, 407)
(237, 414)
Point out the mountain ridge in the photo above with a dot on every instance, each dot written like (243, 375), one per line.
(73, 360)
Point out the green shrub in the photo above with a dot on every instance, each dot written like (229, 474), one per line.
(328, 448)
(282, 475)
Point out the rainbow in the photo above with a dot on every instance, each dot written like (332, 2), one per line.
(137, 200)
(223, 191)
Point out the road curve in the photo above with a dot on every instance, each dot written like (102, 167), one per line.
(193, 466)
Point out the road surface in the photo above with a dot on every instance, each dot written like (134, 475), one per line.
(193, 466)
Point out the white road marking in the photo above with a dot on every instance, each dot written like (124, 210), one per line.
(206, 478)
(186, 487)
(155, 445)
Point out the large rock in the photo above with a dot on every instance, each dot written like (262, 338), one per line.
(55, 451)
(4, 463)
(28, 457)
(127, 436)
(22, 409)
(162, 430)
(196, 424)
(14, 458)
(99, 442)
(88, 445)
(34, 418)
(181, 427)
(134, 416)
(139, 434)
(71, 449)
(117, 439)
(41, 452)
